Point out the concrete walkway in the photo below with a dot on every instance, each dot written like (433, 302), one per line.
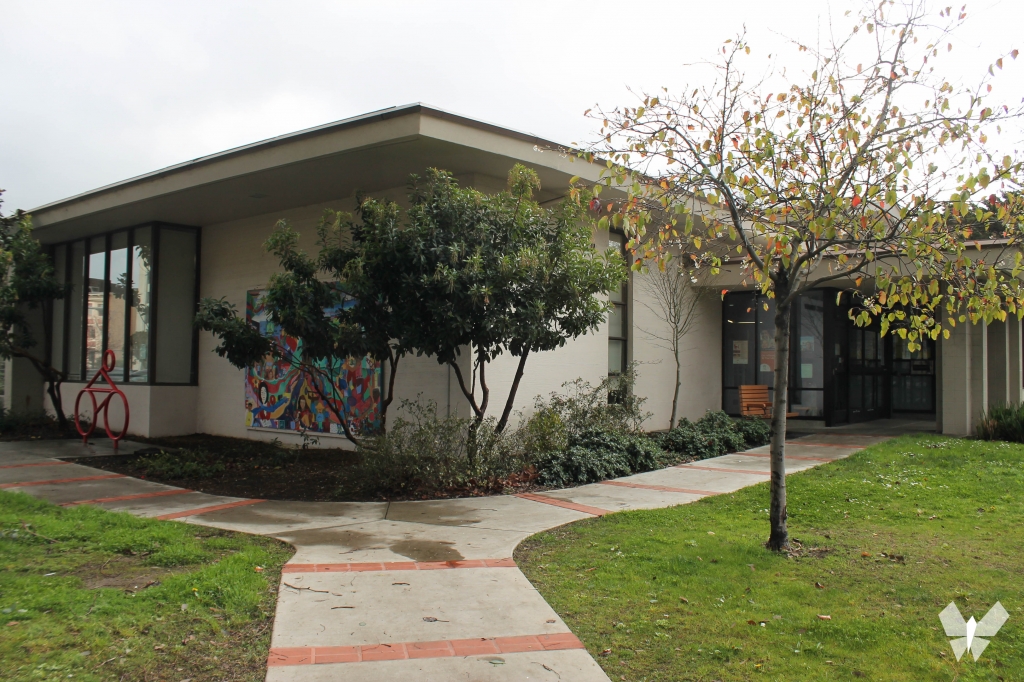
(411, 590)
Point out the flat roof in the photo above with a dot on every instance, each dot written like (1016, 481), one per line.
(371, 152)
(353, 121)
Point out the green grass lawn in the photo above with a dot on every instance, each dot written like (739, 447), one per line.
(87, 594)
(887, 538)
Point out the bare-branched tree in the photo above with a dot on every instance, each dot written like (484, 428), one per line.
(675, 295)
(860, 165)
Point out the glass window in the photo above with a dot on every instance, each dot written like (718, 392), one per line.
(118, 289)
(140, 299)
(60, 262)
(617, 322)
(112, 302)
(618, 318)
(808, 366)
(766, 342)
(94, 319)
(616, 356)
(75, 298)
(739, 349)
(175, 305)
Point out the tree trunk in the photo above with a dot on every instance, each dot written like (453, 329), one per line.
(53, 389)
(675, 396)
(512, 392)
(779, 538)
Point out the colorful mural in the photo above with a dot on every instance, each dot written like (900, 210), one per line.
(278, 395)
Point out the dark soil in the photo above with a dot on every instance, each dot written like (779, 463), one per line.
(238, 467)
(241, 468)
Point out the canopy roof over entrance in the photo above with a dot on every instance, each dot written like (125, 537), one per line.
(366, 153)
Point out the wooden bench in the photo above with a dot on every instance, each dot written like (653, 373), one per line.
(754, 402)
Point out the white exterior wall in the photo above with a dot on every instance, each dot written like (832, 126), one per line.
(234, 262)
(155, 410)
(700, 387)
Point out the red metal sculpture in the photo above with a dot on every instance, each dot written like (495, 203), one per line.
(108, 366)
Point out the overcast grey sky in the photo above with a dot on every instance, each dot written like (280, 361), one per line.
(98, 91)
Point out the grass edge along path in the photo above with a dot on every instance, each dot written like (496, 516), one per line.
(87, 594)
(884, 540)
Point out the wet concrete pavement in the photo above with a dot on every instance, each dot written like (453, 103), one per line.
(423, 590)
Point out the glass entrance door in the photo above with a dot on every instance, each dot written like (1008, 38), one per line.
(867, 375)
(913, 377)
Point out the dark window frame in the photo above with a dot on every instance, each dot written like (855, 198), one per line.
(124, 374)
(623, 306)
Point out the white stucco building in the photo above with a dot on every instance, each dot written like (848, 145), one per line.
(139, 254)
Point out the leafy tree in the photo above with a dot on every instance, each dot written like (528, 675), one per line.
(27, 282)
(308, 301)
(494, 273)
(674, 296)
(859, 165)
(498, 273)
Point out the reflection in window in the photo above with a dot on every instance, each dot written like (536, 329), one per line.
(617, 318)
(807, 369)
(73, 340)
(114, 302)
(118, 281)
(94, 305)
(141, 296)
(740, 347)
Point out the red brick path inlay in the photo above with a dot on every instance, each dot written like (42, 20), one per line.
(120, 498)
(593, 511)
(642, 486)
(206, 510)
(61, 480)
(280, 656)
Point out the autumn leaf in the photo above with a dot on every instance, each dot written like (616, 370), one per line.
(856, 202)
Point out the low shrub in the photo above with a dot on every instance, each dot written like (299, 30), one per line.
(23, 424)
(610, 406)
(1003, 422)
(424, 452)
(596, 455)
(714, 434)
(755, 431)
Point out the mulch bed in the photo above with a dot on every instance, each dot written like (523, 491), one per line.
(252, 469)
(256, 469)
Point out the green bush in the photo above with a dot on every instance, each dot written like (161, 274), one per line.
(755, 431)
(714, 434)
(428, 453)
(611, 406)
(29, 423)
(1003, 422)
(596, 455)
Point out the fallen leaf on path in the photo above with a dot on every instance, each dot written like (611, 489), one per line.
(820, 617)
(431, 619)
(606, 652)
(819, 586)
(684, 600)
(342, 607)
(399, 583)
(158, 647)
(865, 554)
